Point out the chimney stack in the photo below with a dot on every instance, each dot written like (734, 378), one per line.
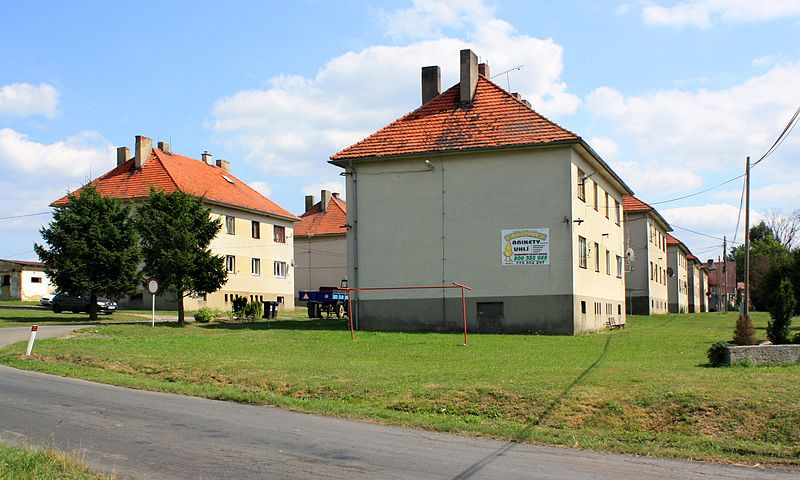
(144, 147)
(431, 83)
(123, 155)
(326, 199)
(483, 69)
(223, 164)
(163, 146)
(469, 76)
(207, 158)
(309, 202)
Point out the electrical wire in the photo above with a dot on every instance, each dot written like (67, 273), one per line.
(781, 138)
(26, 215)
(702, 234)
(739, 217)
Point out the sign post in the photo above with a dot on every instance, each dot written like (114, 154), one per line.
(34, 328)
(152, 287)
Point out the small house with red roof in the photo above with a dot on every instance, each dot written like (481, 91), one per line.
(256, 233)
(320, 243)
(476, 187)
(678, 275)
(646, 258)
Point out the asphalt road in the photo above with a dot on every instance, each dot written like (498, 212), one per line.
(17, 334)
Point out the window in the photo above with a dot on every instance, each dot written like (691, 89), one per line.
(6, 280)
(583, 307)
(581, 185)
(36, 279)
(255, 228)
(279, 269)
(279, 234)
(226, 298)
(581, 252)
(619, 266)
(255, 266)
(619, 310)
(618, 213)
(594, 185)
(230, 225)
(652, 271)
(279, 299)
(608, 262)
(608, 206)
(596, 257)
(230, 264)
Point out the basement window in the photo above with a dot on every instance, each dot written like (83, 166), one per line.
(36, 279)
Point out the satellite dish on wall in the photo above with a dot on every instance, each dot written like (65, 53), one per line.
(670, 272)
(631, 255)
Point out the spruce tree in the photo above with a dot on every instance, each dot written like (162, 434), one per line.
(91, 247)
(176, 231)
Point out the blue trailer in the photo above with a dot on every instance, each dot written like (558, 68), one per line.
(330, 301)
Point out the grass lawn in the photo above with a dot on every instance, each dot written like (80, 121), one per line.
(645, 389)
(21, 463)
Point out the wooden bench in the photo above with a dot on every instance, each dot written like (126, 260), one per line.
(611, 323)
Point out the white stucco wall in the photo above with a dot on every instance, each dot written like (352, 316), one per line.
(679, 282)
(320, 261)
(644, 235)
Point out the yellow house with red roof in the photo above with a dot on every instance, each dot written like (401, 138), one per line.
(256, 234)
(320, 243)
(476, 187)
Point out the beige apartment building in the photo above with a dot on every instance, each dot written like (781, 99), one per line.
(678, 275)
(476, 187)
(646, 273)
(320, 243)
(693, 271)
(23, 280)
(256, 236)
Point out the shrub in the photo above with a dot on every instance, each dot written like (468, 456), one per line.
(717, 353)
(780, 313)
(239, 303)
(744, 334)
(253, 311)
(205, 315)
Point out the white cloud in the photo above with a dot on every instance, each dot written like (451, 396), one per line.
(24, 100)
(703, 13)
(75, 157)
(293, 125)
(653, 181)
(715, 219)
(261, 187)
(702, 130)
(606, 147)
(316, 188)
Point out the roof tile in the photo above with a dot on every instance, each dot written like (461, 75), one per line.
(318, 222)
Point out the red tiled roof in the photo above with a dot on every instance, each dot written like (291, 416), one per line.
(25, 263)
(672, 240)
(318, 222)
(495, 119)
(633, 205)
(170, 172)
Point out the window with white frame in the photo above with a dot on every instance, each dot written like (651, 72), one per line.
(279, 234)
(596, 257)
(595, 195)
(230, 263)
(607, 206)
(608, 262)
(230, 225)
(255, 228)
(255, 266)
(280, 269)
(582, 252)
(619, 266)
(618, 212)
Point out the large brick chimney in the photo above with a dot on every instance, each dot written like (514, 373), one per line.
(144, 147)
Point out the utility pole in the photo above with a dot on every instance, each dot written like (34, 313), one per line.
(725, 270)
(746, 295)
(719, 284)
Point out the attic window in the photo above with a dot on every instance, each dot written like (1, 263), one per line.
(228, 179)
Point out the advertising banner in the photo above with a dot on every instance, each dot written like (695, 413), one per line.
(525, 246)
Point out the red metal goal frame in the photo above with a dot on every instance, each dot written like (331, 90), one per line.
(406, 287)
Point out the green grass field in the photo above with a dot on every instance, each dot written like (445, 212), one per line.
(18, 463)
(645, 389)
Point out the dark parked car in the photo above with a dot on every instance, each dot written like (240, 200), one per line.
(63, 302)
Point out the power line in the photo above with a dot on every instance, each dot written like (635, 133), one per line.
(739, 217)
(783, 135)
(27, 215)
(700, 233)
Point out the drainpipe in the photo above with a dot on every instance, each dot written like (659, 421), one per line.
(355, 238)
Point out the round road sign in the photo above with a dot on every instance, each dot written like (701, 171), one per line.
(152, 285)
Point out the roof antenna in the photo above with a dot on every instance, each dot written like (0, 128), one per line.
(508, 80)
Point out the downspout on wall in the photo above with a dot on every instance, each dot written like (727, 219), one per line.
(354, 229)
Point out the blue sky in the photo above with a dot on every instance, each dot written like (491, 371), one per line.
(673, 95)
